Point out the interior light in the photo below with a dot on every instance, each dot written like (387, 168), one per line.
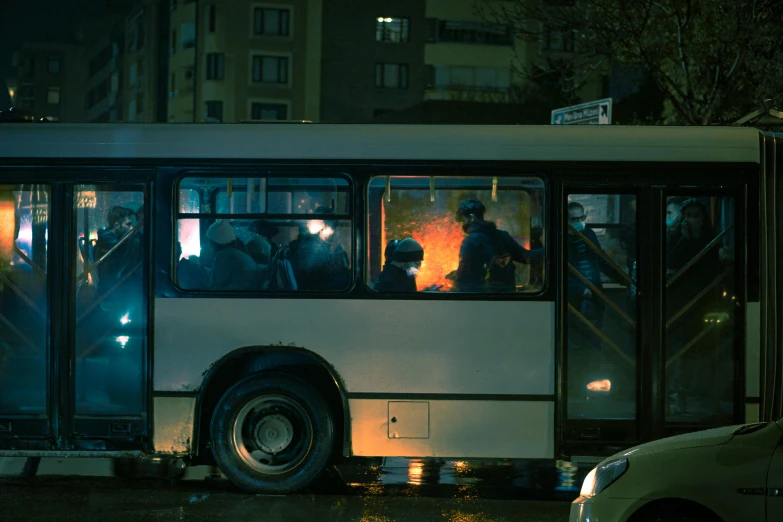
(315, 226)
(603, 385)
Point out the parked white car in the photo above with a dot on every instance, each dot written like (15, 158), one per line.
(731, 474)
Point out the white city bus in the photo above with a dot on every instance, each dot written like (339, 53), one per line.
(208, 291)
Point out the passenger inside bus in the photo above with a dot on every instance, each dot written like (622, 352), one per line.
(692, 370)
(190, 274)
(588, 260)
(318, 262)
(115, 266)
(232, 269)
(268, 231)
(673, 219)
(399, 274)
(486, 253)
(259, 249)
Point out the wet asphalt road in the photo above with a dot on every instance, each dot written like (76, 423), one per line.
(401, 491)
(116, 500)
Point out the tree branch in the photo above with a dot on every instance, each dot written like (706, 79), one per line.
(684, 64)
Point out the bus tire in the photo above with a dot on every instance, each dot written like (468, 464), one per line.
(272, 433)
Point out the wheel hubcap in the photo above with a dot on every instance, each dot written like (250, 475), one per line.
(272, 434)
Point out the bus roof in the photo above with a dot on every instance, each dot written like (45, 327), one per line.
(381, 142)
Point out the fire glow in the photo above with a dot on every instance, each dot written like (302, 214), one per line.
(441, 239)
(440, 236)
(604, 385)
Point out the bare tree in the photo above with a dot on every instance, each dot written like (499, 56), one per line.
(706, 56)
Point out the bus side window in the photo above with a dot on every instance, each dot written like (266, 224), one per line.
(478, 234)
(307, 247)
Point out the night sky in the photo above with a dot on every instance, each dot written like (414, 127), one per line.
(39, 20)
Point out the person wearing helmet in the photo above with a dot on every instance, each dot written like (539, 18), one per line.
(486, 253)
(399, 275)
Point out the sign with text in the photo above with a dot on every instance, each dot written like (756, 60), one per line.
(591, 113)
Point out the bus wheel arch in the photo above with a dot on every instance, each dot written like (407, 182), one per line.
(244, 362)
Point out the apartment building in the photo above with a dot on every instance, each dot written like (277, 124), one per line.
(145, 90)
(245, 60)
(48, 82)
(373, 58)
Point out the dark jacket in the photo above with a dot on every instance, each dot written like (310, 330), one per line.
(234, 270)
(695, 279)
(316, 266)
(117, 264)
(394, 279)
(191, 275)
(597, 264)
(485, 259)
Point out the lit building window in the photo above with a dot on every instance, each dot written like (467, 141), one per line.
(393, 30)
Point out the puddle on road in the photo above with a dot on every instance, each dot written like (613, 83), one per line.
(557, 480)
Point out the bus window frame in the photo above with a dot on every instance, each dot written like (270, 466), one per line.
(446, 171)
(282, 172)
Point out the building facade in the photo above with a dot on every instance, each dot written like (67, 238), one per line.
(104, 41)
(235, 61)
(142, 67)
(48, 82)
(373, 58)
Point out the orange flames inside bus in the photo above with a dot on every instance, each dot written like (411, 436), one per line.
(435, 228)
(7, 229)
(441, 239)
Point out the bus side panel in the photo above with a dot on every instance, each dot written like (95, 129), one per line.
(173, 427)
(378, 346)
(446, 428)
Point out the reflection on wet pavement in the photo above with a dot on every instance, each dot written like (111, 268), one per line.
(362, 490)
(78, 498)
(553, 480)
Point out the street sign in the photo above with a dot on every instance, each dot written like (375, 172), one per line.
(597, 112)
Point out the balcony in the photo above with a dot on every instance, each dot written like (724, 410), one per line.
(473, 93)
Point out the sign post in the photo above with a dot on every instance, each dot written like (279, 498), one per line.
(597, 112)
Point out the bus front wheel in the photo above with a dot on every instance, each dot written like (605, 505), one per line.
(272, 433)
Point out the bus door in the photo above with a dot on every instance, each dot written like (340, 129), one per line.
(703, 303)
(599, 319)
(73, 315)
(26, 275)
(652, 314)
(108, 319)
